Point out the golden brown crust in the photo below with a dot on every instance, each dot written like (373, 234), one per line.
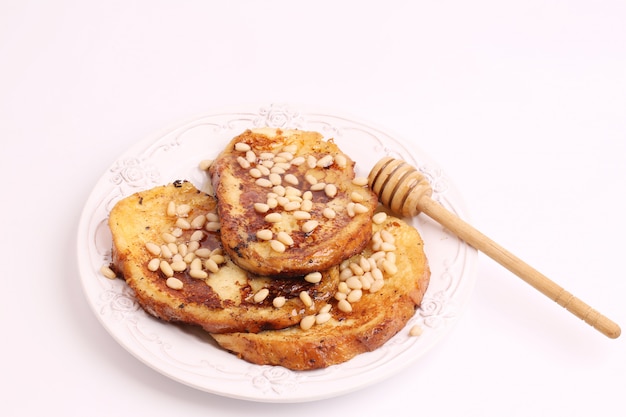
(374, 319)
(237, 191)
(221, 303)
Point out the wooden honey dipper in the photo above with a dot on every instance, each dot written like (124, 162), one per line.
(406, 192)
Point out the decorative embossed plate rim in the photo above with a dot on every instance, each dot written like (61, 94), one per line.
(189, 355)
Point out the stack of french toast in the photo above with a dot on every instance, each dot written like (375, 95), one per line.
(287, 259)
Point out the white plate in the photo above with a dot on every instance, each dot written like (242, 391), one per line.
(189, 355)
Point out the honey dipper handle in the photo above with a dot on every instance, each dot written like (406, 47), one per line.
(533, 277)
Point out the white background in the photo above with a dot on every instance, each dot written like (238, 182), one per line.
(523, 104)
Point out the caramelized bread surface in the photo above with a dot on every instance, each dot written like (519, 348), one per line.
(374, 319)
(172, 217)
(279, 170)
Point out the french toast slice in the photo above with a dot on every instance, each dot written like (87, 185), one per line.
(167, 247)
(289, 203)
(374, 318)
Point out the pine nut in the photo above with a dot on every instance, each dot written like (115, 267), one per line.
(325, 309)
(329, 213)
(166, 268)
(196, 263)
(306, 298)
(218, 258)
(284, 238)
(356, 269)
(342, 287)
(277, 169)
(301, 214)
(264, 170)
(292, 205)
(377, 274)
(174, 283)
(255, 173)
(250, 156)
(322, 318)
(354, 283)
(345, 274)
(193, 246)
(168, 237)
(264, 234)
(211, 266)
(389, 267)
(263, 182)
(330, 190)
(341, 160)
(354, 295)
(297, 161)
(272, 202)
(205, 164)
(286, 155)
(154, 264)
(291, 179)
(376, 285)
(278, 302)
(325, 161)
(366, 281)
(275, 179)
(277, 246)
(360, 181)
(386, 236)
(261, 207)
(212, 217)
(166, 252)
(266, 156)
(387, 247)
(310, 178)
(357, 197)
(173, 248)
(273, 218)
(242, 147)
(243, 162)
(307, 322)
(350, 209)
(171, 209)
(153, 248)
(360, 208)
(318, 186)
(189, 257)
(279, 190)
(198, 221)
(293, 148)
(365, 264)
(261, 295)
(309, 226)
(198, 274)
(379, 217)
(183, 210)
(183, 223)
(311, 161)
(340, 296)
(345, 306)
(313, 277)
(416, 331)
(306, 205)
(107, 272)
(203, 252)
(178, 266)
(196, 236)
(307, 195)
